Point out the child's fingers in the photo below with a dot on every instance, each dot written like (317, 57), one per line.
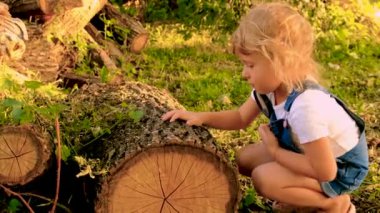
(175, 116)
(168, 115)
(261, 131)
(264, 130)
(190, 122)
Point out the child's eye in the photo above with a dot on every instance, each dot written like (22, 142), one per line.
(250, 66)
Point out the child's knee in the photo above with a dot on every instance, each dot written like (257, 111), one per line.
(257, 177)
(244, 157)
(262, 180)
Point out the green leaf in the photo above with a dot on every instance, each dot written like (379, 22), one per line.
(10, 85)
(65, 152)
(10, 102)
(104, 74)
(249, 198)
(33, 84)
(17, 114)
(13, 205)
(43, 111)
(136, 115)
(27, 116)
(124, 105)
(55, 109)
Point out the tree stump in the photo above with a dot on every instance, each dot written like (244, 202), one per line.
(154, 165)
(24, 154)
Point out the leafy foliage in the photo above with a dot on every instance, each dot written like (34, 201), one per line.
(220, 14)
(24, 101)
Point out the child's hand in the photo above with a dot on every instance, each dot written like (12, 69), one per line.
(269, 139)
(191, 118)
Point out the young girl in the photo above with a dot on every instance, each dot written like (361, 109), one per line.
(314, 151)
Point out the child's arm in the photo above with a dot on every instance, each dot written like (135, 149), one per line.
(227, 120)
(317, 162)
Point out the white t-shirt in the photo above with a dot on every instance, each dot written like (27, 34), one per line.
(313, 115)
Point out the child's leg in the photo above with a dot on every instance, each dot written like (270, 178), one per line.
(251, 156)
(279, 183)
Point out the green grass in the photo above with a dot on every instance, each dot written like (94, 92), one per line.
(204, 76)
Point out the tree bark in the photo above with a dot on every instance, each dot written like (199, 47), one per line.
(72, 21)
(46, 6)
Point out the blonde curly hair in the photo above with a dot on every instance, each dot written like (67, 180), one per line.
(283, 36)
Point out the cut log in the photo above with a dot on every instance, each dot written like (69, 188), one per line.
(154, 165)
(138, 36)
(42, 59)
(72, 21)
(24, 154)
(46, 6)
(166, 178)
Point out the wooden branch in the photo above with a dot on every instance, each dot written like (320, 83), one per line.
(112, 49)
(58, 164)
(19, 196)
(46, 199)
(138, 37)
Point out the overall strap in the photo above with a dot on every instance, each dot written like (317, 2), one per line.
(294, 94)
(265, 105)
(359, 121)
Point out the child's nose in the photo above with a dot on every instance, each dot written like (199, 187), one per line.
(245, 73)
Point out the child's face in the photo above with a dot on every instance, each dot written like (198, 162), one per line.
(258, 72)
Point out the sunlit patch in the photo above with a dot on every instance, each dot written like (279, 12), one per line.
(170, 36)
(377, 14)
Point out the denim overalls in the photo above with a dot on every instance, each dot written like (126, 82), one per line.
(352, 166)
